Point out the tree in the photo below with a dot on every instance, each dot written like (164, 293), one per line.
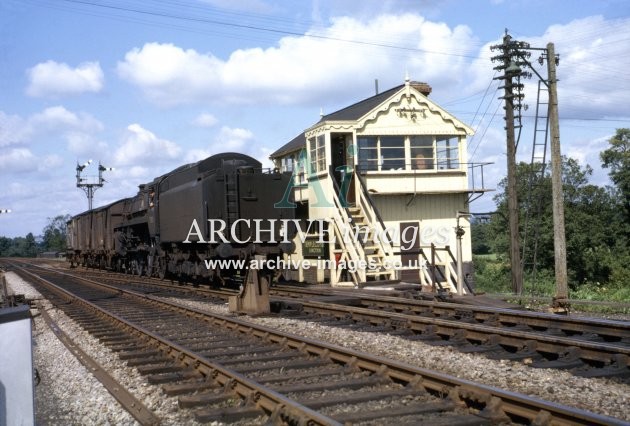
(591, 223)
(30, 246)
(479, 237)
(5, 246)
(617, 159)
(55, 233)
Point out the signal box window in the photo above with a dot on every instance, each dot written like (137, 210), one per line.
(368, 153)
(421, 149)
(447, 151)
(392, 153)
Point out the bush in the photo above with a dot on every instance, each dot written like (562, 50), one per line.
(492, 274)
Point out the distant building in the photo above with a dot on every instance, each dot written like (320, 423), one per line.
(394, 164)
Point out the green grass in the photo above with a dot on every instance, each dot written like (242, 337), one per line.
(492, 275)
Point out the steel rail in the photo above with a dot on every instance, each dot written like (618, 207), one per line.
(152, 281)
(411, 317)
(611, 328)
(594, 351)
(494, 403)
(272, 402)
(136, 408)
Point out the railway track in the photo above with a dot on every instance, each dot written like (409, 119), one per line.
(586, 347)
(560, 325)
(232, 370)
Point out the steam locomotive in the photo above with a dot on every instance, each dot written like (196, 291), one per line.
(167, 228)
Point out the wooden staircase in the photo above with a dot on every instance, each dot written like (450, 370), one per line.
(374, 253)
(361, 240)
(441, 270)
(358, 233)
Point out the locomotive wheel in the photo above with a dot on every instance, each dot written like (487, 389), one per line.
(139, 268)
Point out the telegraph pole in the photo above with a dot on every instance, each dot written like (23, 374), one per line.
(559, 241)
(513, 55)
(510, 66)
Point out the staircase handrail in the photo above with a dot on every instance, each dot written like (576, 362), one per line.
(434, 270)
(372, 214)
(454, 274)
(341, 218)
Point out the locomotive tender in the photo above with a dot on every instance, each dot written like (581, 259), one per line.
(145, 234)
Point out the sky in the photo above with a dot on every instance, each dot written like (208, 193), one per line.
(146, 86)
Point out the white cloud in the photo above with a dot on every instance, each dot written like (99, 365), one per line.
(14, 190)
(205, 120)
(77, 129)
(586, 151)
(138, 172)
(300, 69)
(593, 51)
(13, 130)
(228, 139)
(53, 79)
(139, 145)
(593, 56)
(85, 144)
(194, 155)
(263, 157)
(319, 71)
(17, 160)
(234, 139)
(170, 75)
(50, 162)
(49, 128)
(60, 119)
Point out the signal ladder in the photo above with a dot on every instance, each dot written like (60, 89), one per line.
(538, 165)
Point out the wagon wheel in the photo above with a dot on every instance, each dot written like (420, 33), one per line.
(151, 266)
(161, 267)
(148, 270)
(216, 280)
(139, 269)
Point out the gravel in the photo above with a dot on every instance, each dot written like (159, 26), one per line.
(600, 395)
(68, 394)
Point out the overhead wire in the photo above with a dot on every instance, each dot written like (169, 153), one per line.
(261, 28)
(482, 138)
(266, 25)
